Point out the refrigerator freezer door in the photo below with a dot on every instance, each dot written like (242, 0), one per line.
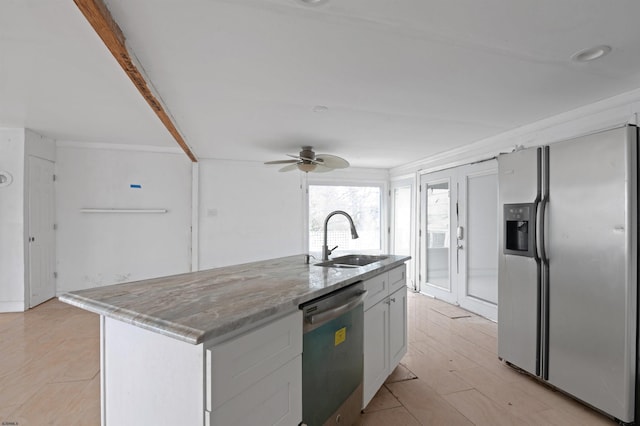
(518, 276)
(591, 244)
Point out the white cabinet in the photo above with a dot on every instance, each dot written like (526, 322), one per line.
(256, 378)
(397, 327)
(376, 349)
(274, 400)
(252, 378)
(385, 329)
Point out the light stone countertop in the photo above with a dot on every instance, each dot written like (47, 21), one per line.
(198, 306)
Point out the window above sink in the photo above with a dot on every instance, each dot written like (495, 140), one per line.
(364, 205)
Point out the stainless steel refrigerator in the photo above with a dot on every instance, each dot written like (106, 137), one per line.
(567, 286)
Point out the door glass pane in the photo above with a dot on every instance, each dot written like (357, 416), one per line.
(482, 237)
(438, 220)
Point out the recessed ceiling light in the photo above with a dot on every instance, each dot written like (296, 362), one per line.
(591, 53)
(313, 2)
(320, 108)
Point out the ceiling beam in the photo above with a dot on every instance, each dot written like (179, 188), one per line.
(107, 28)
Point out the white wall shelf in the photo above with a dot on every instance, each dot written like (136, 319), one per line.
(123, 210)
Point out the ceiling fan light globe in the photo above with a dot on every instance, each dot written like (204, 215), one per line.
(306, 167)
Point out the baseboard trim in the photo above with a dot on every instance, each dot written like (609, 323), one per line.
(12, 307)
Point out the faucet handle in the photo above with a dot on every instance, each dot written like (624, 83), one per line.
(331, 251)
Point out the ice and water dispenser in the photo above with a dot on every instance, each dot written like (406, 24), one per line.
(520, 229)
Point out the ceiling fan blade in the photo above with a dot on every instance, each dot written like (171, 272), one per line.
(281, 162)
(311, 160)
(321, 169)
(333, 161)
(289, 167)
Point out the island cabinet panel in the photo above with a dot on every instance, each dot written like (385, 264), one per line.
(274, 400)
(385, 331)
(148, 378)
(240, 363)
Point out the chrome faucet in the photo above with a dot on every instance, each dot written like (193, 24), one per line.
(354, 234)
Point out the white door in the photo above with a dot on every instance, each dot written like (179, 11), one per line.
(41, 239)
(402, 224)
(437, 218)
(458, 237)
(478, 245)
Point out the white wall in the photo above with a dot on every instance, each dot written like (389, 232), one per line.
(248, 212)
(12, 223)
(96, 249)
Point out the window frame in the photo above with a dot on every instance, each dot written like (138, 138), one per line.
(363, 182)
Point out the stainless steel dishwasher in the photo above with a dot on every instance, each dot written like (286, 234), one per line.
(332, 357)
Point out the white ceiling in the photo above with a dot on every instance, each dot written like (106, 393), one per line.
(402, 79)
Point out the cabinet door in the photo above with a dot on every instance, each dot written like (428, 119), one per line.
(397, 327)
(376, 349)
(237, 364)
(276, 400)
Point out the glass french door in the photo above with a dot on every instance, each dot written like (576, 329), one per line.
(478, 252)
(458, 237)
(436, 239)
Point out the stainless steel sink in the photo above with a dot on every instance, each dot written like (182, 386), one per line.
(351, 261)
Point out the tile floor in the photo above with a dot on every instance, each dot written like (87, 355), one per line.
(49, 364)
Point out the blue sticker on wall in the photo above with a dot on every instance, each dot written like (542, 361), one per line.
(135, 185)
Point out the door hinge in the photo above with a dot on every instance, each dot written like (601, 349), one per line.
(420, 233)
(54, 178)
(55, 226)
(55, 275)
(389, 193)
(420, 188)
(389, 230)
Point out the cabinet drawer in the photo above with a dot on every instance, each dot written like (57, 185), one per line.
(378, 288)
(397, 278)
(237, 364)
(274, 400)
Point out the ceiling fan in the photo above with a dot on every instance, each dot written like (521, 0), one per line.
(308, 161)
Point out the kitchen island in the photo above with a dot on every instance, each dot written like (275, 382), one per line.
(206, 347)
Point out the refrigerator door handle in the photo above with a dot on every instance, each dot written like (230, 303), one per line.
(545, 266)
(538, 239)
(541, 230)
(543, 206)
(538, 217)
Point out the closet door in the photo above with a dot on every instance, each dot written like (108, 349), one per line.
(42, 285)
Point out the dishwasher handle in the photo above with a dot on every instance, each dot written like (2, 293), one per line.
(333, 313)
